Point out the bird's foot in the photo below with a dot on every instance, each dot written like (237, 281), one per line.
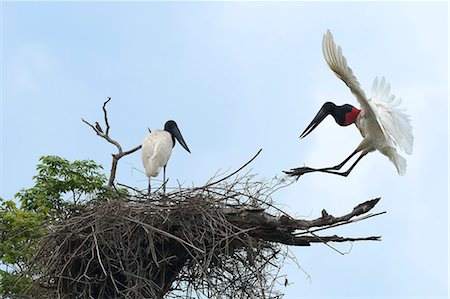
(299, 171)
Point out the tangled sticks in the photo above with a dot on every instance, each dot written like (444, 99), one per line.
(222, 239)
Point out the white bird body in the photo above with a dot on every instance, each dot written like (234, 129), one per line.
(382, 123)
(156, 151)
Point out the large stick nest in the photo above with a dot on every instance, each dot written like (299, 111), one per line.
(215, 241)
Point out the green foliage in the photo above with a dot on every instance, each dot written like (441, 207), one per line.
(58, 179)
(13, 285)
(18, 229)
(60, 185)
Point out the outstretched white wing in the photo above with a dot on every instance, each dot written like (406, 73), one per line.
(395, 123)
(338, 64)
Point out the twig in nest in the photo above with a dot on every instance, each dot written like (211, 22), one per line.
(233, 173)
(105, 135)
(225, 178)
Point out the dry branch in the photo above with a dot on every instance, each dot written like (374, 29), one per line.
(115, 157)
(282, 229)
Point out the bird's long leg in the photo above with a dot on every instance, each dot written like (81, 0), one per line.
(354, 164)
(339, 166)
(345, 173)
(164, 180)
(302, 170)
(149, 188)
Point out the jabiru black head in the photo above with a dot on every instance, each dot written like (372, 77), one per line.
(343, 115)
(172, 128)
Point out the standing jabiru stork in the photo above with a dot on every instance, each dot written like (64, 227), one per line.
(383, 124)
(157, 148)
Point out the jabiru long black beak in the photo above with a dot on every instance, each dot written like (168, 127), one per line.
(179, 137)
(171, 126)
(320, 116)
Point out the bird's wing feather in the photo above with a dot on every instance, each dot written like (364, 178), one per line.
(148, 149)
(338, 64)
(163, 149)
(396, 124)
(156, 151)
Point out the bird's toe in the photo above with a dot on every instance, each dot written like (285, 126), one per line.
(299, 171)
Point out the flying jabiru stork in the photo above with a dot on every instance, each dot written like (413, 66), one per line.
(157, 148)
(382, 123)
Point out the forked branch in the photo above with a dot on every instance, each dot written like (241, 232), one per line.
(105, 135)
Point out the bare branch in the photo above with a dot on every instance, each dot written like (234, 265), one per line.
(283, 229)
(353, 220)
(327, 219)
(105, 114)
(132, 150)
(312, 239)
(105, 135)
(233, 173)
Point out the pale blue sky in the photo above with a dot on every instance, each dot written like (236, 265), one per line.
(238, 77)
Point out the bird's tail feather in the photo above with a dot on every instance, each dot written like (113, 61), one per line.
(399, 162)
